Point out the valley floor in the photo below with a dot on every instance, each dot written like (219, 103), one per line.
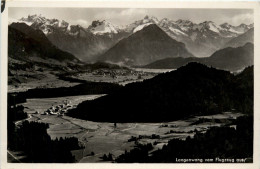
(31, 80)
(21, 80)
(103, 138)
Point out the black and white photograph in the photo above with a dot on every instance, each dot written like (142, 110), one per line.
(130, 85)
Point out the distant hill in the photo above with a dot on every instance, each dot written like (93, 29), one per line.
(194, 89)
(241, 40)
(144, 47)
(25, 43)
(232, 59)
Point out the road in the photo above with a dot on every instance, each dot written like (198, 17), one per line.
(17, 122)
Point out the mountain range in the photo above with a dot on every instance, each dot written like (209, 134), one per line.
(84, 43)
(230, 58)
(201, 39)
(242, 39)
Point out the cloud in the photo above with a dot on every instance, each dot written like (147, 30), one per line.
(133, 12)
(11, 20)
(122, 16)
(246, 18)
(81, 22)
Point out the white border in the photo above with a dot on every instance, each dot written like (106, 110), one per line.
(127, 4)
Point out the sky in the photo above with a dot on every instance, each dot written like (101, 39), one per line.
(124, 16)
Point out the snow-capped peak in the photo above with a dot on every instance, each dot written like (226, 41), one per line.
(102, 27)
(225, 26)
(209, 25)
(48, 25)
(140, 27)
(184, 22)
(166, 21)
(185, 25)
(176, 29)
(140, 24)
(213, 27)
(34, 18)
(242, 28)
(38, 19)
(171, 27)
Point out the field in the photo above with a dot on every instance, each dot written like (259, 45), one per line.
(31, 80)
(104, 138)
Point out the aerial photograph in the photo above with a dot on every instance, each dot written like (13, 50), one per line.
(130, 85)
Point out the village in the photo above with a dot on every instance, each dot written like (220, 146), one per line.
(59, 110)
(118, 137)
(120, 76)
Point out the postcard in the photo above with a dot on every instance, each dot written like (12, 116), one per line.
(129, 84)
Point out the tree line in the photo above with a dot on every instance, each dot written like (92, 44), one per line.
(32, 139)
(218, 142)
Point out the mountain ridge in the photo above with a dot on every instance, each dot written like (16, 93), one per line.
(201, 39)
(144, 46)
(242, 39)
(30, 43)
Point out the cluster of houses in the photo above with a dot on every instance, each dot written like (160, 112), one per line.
(115, 73)
(59, 110)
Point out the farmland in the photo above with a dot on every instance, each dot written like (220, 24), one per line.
(103, 138)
